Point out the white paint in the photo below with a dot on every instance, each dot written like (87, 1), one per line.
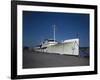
(70, 47)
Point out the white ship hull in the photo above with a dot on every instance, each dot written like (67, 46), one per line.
(70, 47)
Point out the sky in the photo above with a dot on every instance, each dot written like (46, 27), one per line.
(38, 26)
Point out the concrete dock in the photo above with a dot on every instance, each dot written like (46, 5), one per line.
(33, 59)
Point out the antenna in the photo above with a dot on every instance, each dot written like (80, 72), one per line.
(54, 37)
(77, 35)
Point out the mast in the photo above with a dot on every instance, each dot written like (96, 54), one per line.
(77, 35)
(54, 36)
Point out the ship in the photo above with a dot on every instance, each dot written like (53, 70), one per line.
(68, 46)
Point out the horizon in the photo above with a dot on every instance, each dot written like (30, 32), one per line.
(38, 26)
